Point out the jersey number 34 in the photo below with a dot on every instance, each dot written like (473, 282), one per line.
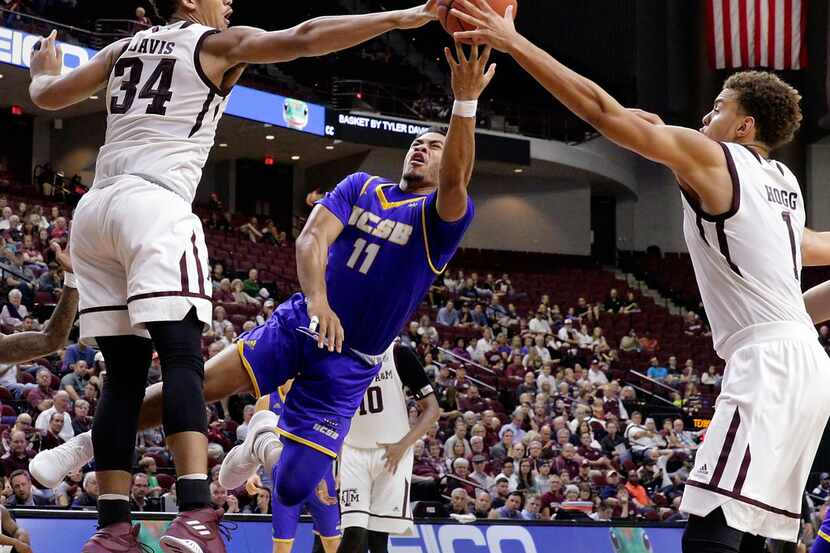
(156, 89)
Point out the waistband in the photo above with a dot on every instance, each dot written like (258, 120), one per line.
(766, 332)
(104, 183)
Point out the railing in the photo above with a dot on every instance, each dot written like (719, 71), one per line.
(472, 379)
(465, 361)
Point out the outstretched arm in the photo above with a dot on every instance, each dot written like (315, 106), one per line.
(25, 346)
(693, 156)
(470, 76)
(315, 37)
(51, 90)
(815, 250)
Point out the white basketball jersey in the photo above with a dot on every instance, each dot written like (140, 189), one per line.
(382, 416)
(748, 261)
(162, 110)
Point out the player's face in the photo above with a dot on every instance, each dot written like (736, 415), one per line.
(216, 13)
(726, 117)
(424, 159)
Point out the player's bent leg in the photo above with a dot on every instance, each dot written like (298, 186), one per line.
(51, 466)
(355, 540)
(710, 534)
(261, 446)
(822, 543)
(298, 459)
(378, 542)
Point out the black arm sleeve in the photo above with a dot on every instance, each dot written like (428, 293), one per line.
(412, 372)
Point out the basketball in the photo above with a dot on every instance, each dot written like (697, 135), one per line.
(452, 24)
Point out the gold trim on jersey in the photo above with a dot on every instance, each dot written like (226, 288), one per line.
(366, 184)
(386, 204)
(240, 347)
(823, 535)
(426, 242)
(283, 540)
(303, 441)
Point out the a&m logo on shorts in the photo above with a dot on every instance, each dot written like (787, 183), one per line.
(349, 497)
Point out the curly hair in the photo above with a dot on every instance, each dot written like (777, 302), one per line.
(773, 103)
(165, 8)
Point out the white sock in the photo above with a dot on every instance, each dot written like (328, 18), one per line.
(195, 476)
(267, 449)
(113, 497)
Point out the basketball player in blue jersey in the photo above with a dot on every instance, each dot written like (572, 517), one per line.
(366, 257)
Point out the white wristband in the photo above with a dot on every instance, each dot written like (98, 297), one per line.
(69, 280)
(465, 108)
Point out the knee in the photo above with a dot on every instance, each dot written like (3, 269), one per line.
(292, 491)
(354, 540)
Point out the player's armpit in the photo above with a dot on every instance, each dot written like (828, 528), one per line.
(56, 91)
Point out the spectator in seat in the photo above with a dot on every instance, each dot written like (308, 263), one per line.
(568, 334)
(59, 230)
(250, 230)
(19, 454)
(241, 291)
(527, 481)
(550, 501)
(74, 383)
(461, 469)
(649, 343)
(221, 499)
(508, 471)
(426, 329)
(77, 352)
(41, 397)
(217, 274)
(512, 508)
(505, 445)
(692, 325)
(448, 315)
(14, 311)
(459, 502)
(460, 435)
(631, 305)
(711, 377)
(824, 336)
(596, 376)
(252, 285)
(531, 510)
(21, 483)
(611, 486)
(223, 293)
(612, 440)
(479, 318)
(568, 460)
(656, 371)
(539, 324)
(139, 495)
(613, 303)
(60, 406)
(147, 465)
(515, 425)
(496, 312)
(272, 234)
(143, 22)
(630, 342)
(638, 493)
(500, 491)
(483, 505)
(220, 322)
(51, 281)
(472, 400)
(823, 489)
(51, 439)
(478, 474)
(81, 421)
(242, 430)
(89, 496)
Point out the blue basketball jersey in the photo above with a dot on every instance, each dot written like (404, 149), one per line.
(392, 247)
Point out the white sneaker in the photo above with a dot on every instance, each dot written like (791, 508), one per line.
(50, 467)
(241, 463)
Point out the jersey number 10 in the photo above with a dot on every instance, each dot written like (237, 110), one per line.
(156, 89)
(372, 401)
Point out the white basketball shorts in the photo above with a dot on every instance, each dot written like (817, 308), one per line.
(140, 256)
(769, 419)
(372, 497)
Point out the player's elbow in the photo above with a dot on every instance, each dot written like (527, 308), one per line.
(45, 99)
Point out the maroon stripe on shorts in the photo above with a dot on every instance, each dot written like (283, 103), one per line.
(405, 497)
(727, 449)
(183, 271)
(168, 295)
(739, 482)
(199, 272)
(102, 308)
(742, 499)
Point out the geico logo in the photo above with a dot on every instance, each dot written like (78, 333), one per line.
(16, 48)
(468, 539)
(385, 229)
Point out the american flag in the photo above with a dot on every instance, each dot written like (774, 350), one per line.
(757, 33)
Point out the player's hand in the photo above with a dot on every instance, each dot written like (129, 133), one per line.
(326, 324)
(470, 76)
(491, 28)
(393, 455)
(253, 485)
(324, 494)
(47, 59)
(61, 255)
(419, 16)
(21, 547)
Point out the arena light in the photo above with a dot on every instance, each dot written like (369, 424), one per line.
(269, 160)
(223, 144)
(93, 97)
(270, 137)
(17, 110)
(295, 158)
(518, 170)
(329, 147)
(359, 95)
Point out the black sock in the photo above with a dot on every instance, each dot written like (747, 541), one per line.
(192, 494)
(112, 511)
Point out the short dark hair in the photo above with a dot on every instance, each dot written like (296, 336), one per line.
(435, 129)
(165, 8)
(20, 472)
(772, 102)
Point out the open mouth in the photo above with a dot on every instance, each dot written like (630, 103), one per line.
(417, 159)
(228, 17)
